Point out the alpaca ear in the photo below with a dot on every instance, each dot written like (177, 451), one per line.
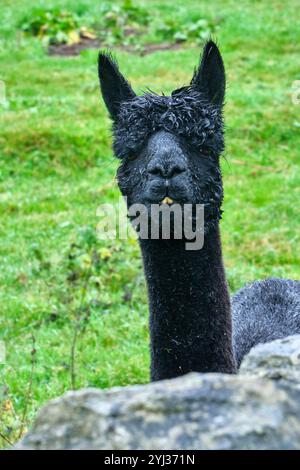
(210, 76)
(114, 87)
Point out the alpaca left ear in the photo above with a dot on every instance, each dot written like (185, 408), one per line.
(114, 87)
(210, 76)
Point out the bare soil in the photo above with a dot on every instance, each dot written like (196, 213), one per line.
(85, 43)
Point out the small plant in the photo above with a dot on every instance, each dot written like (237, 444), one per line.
(13, 426)
(193, 31)
(121, 24)
(56, 26)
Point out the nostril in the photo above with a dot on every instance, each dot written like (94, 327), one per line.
(166, 172)
(175, 170)
(156, 170)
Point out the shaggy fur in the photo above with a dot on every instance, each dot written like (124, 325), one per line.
(200, 183)
(186, 113)
(264, 311)
(170, 146)
(190, 321)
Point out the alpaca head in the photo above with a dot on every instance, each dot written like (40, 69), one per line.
(169, 146)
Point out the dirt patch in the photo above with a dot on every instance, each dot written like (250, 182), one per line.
(75, 49)
(150, 48)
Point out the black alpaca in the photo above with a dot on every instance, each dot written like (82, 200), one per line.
(169, 147)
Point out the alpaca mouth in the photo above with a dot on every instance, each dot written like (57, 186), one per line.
(167, 200)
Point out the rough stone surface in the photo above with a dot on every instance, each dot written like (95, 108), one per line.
(257, 409)
(278, 360)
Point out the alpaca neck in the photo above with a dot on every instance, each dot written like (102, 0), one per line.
(190, 316)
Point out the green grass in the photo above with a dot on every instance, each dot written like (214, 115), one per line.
(56, 167)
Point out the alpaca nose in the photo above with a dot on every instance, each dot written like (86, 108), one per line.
(166, 171)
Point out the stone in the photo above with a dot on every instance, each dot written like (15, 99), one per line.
(277, 360)
(257, 409)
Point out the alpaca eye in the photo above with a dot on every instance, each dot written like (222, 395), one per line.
(131, 156)
(205, 152)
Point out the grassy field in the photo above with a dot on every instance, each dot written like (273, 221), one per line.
(56, 167)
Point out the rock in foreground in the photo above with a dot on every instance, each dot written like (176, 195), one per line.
(258, 409)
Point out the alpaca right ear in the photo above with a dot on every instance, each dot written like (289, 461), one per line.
(114, 87)
(210, 76)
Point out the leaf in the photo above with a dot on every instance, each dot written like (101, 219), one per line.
(87, 34)
(105, 253)
(73, 37)
(85, 262)
(8, 406)
(180, 37)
